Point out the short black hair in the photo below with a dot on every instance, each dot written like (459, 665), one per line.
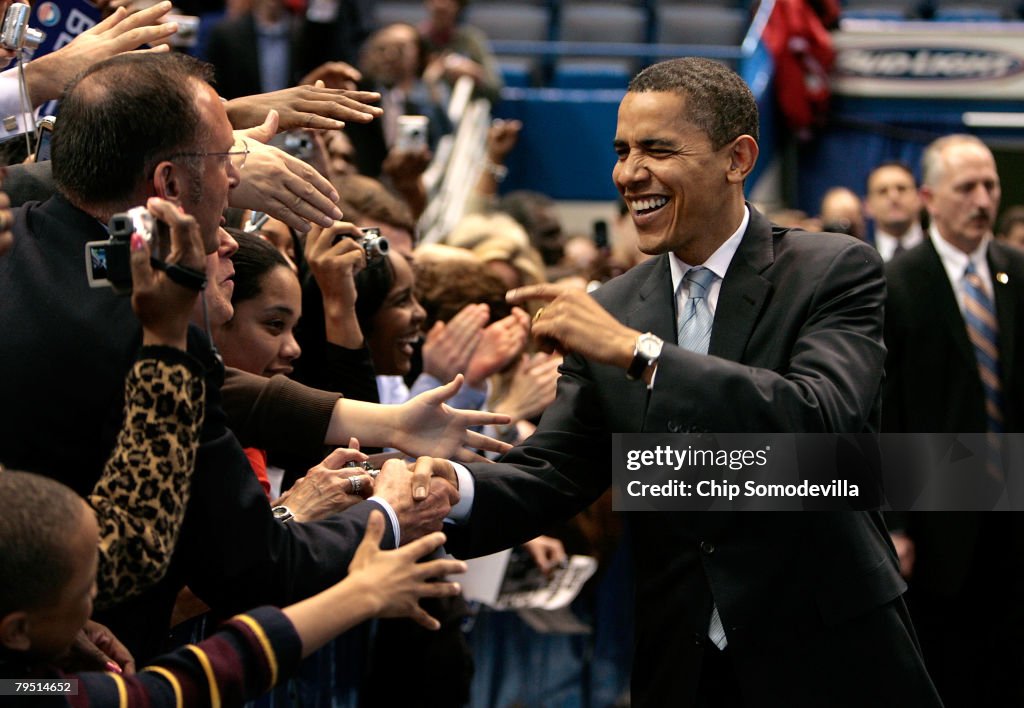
(718, 101)
(373, 283)
(1012, 216)
(119, 118)
(899, 164)
(254, 258)
(40, 517)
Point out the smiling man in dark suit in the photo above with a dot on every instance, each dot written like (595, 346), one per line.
(733, 609)
(952, 328)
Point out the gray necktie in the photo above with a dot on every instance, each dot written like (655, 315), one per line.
(695, 335)
(696, 318)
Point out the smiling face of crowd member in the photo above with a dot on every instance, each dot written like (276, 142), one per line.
(267, 302)
(893, 200)
(397, 324)
(260, 336)
(961, 190)
(685, 141)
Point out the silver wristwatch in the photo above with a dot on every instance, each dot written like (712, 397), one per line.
(645, 354)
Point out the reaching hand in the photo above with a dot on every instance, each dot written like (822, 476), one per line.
(416, 517)
(573, 321)
(326, 489)
(448, 347)
(162, 305)
(547, 552)
(406, 166)
(305, 107)
(120, 32)
(533, 387)
(396, 580)
(427, 426)
(501, 138)
(501, 343)
(281, 185)
(94, 648)
(335, 75)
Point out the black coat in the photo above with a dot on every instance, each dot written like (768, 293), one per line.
(810, 600)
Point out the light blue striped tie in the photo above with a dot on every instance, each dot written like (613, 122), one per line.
(983, 331)
(696, 320)
(695, 335)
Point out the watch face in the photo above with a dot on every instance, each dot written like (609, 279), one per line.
(649, 346)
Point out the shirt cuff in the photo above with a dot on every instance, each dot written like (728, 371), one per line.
(467, 488)
(392, 516)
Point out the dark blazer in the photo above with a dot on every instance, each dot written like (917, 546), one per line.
(964, 561)
(810, 601)
(66, 350)
(932, 386)
(233, 49)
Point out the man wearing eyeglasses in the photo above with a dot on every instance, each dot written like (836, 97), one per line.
(131, 128)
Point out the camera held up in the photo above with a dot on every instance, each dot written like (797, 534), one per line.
(373, 244)
(108, 263)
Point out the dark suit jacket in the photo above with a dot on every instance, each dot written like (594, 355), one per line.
(233, 50)
(932, 386)
(810, 601)
(66, 350)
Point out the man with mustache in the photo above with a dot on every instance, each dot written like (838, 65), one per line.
(953, 367)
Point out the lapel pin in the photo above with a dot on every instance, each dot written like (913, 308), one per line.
(1003, 278)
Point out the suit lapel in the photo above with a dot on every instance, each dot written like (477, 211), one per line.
(1006, 306)
(744, 291)
(655, 306)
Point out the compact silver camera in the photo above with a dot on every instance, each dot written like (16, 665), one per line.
(15, 33)
(375, 245)
(107, 263)
(139, 221)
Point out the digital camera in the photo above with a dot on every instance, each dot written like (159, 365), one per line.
(108, 263)
(15, 33)
(373, 244)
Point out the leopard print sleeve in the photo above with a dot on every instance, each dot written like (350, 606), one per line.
(140, 500)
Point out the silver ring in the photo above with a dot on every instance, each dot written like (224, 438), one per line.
(357, 484)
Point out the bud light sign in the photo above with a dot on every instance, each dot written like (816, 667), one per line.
(926, 64)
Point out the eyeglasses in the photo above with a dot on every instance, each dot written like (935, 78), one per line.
(237, 156)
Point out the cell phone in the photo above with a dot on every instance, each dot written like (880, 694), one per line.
(44, 132)
(297, 143)
(412, 133)
(600, 235)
